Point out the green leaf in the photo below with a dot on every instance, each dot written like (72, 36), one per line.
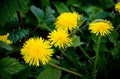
(50, 72)
(61, 7)
(106, 3)
(113, 37)
(8, 9)
(74, 3)
(39, 14)
(115, 50)
(44, 26)
(49, 17)
(76, 41)
(9, 66)
(5, 46)
(23, 74)
(17, 35)
(95, 12)
(9, 26)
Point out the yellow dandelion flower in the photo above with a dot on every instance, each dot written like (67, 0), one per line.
(36, 51)
(117, 7)
(60, 38)
(102, 27)
(4, 38)
(67, 20)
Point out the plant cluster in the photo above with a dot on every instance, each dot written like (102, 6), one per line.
(68, 39)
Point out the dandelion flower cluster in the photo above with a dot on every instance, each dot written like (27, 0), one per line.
(60, 38)
(67, 20)
(4, 38)
(36, 51)
(102, 27)
(117, 7)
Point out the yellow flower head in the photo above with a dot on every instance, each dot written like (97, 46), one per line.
(4, 38)
(36, 51)
(67, 20)
(102, 27)
(60, 38)
(117, 7)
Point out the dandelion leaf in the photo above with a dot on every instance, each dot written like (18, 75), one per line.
(9, 66)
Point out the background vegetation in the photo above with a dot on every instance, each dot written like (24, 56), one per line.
(23, 19)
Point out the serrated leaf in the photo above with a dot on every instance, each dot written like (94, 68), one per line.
(49, 17)
(61, 7)
(76, 41)
(5, 46)
(50, 72)
(17, 35)
(10, 66)
(8, 9)
(39, 14)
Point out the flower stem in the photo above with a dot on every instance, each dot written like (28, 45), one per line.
(66, 55)
(69, 58)
(96, 57)
(85, 53)
(67, 70)
(117, 27)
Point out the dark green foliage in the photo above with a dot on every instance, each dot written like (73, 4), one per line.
(8, 9)
(50, 72)
(106, 3)
(24, 73)
(8, 67)
(3, 45)
(24, 19)
(17, 35)
(44, 18)
(61, 7)
(96, 12)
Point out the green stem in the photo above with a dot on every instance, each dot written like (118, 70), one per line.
(66, 55)
(96, 57)
(69, 58)
(32, 31)
(64, 69)
(20, 19)
(73, 32)
(117, 27)
(85, 53)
